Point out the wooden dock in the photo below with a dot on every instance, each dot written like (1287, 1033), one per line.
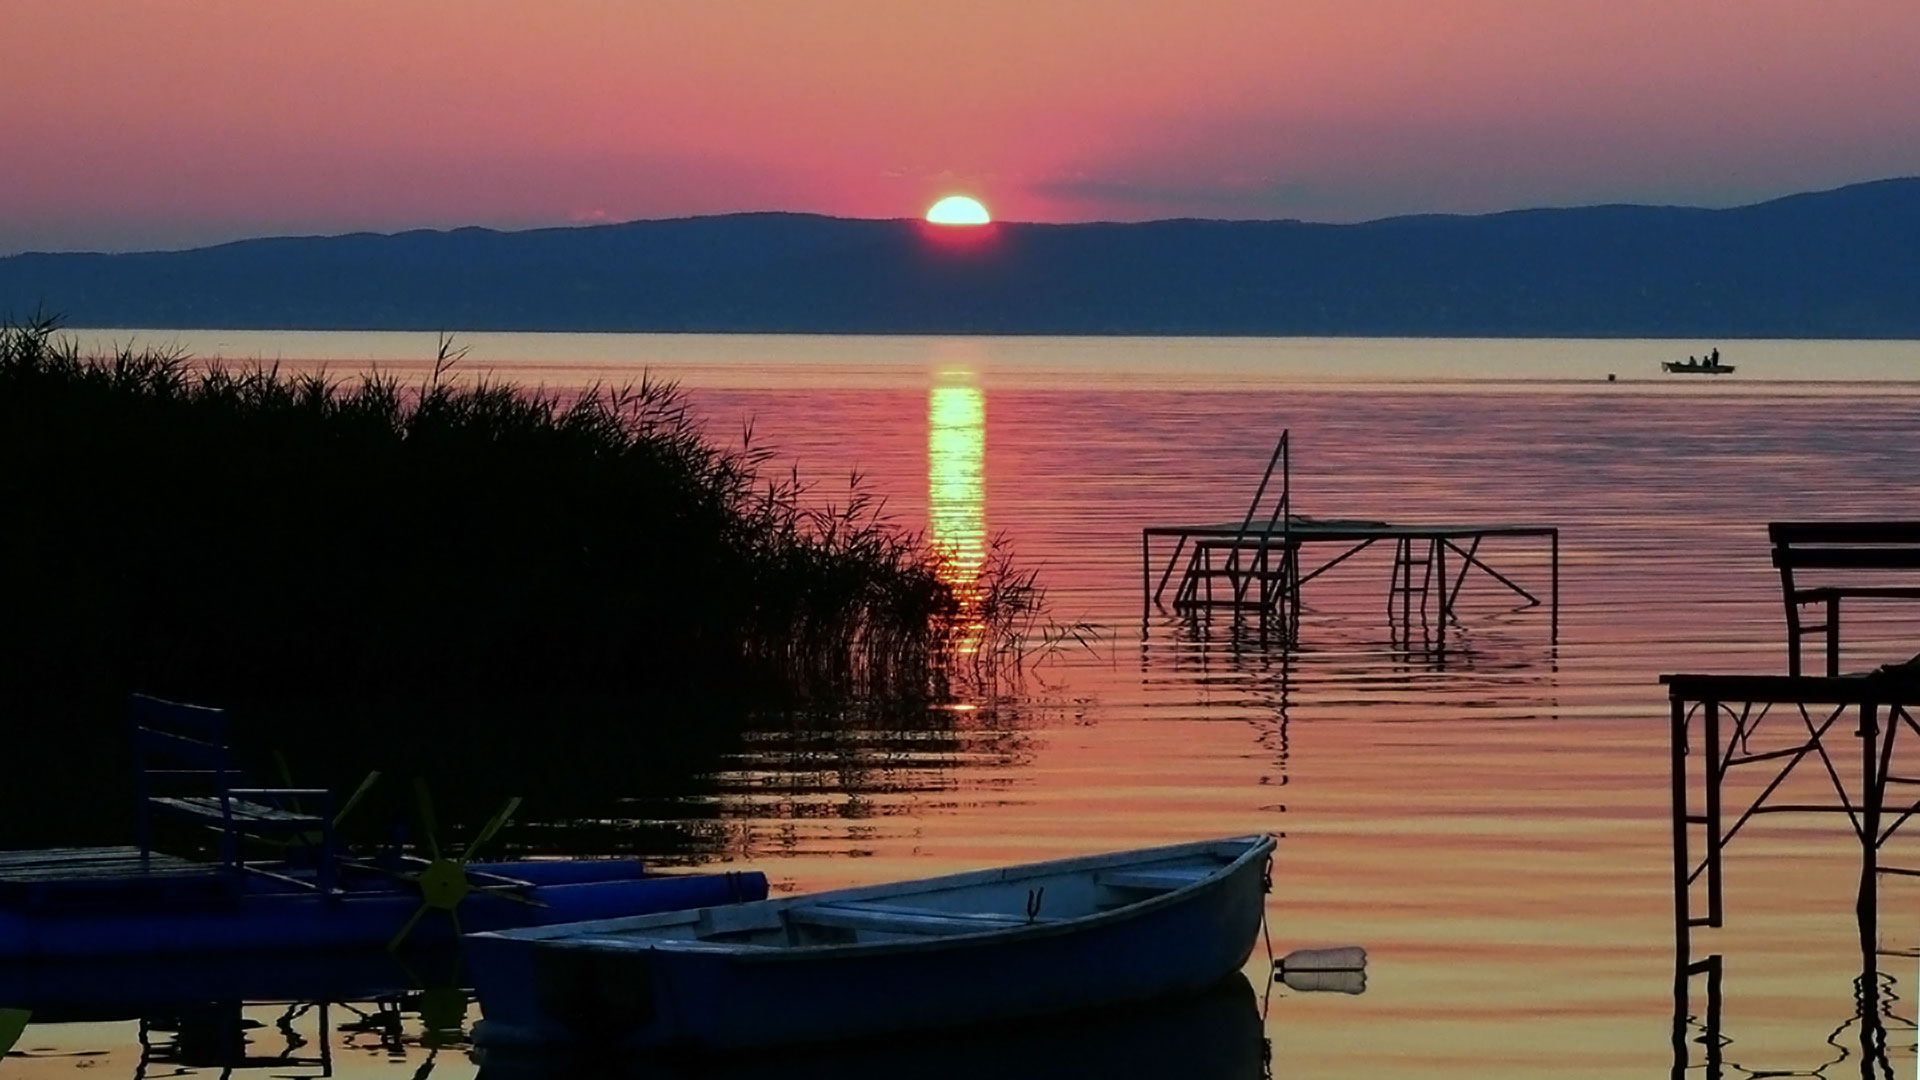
(45, 873)
(1254, 565)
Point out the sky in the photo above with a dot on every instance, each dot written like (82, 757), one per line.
(159, 124)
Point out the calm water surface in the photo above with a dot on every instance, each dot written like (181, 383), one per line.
(1491, 822)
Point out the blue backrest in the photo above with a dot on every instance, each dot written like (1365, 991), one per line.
(174, 737)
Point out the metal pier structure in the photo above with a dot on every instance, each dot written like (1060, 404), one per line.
(1744, 746)
(1254, 565)
(1843, 747)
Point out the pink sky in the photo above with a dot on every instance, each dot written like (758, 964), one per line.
(167, 123)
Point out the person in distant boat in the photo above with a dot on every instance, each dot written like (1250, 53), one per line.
(1693, 361)
(1714, 359)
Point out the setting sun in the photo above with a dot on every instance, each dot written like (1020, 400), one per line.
(958, 210)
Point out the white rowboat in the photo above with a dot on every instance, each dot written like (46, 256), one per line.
(967, 949)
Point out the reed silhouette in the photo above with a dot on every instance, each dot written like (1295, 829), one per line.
(387, 574)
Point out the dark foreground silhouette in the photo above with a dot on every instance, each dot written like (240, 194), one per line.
(514, 592)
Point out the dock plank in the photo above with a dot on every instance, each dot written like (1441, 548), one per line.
(95, 865)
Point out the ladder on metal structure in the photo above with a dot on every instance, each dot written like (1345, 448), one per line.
(1404, 592)
(1276, 585)
(1257, 563)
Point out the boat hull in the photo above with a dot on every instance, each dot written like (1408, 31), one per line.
(698, 997)
(269, 921)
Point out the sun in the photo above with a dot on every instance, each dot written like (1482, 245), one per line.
(958, 210)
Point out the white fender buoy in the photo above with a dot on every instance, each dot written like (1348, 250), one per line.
(1343, 958)
(1337, 982)
(1339, 970)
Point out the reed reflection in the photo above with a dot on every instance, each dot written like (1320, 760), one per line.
(852, 778)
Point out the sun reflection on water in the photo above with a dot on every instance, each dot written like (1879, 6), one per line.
(957, 486)
(956, 475)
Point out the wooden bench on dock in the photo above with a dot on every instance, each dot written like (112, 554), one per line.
(1848, 546)
(184, 768)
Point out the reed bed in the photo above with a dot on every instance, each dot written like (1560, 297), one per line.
(235, 534)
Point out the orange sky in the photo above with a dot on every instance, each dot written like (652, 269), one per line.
(165, 123)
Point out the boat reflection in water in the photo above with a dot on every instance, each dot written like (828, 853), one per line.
(1216, 1035)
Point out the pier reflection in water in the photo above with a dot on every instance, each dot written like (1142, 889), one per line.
(302, 1015)
(1876, 1042)
(1213, 1036)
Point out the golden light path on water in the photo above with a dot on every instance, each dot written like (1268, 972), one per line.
(957, 474)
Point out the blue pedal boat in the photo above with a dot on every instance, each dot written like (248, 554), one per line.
(114, 902)
(987, 947)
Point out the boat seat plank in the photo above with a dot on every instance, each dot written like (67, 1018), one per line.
(901, 920)
(994, 918)
(1165, 879)
(245, 812)
(738, 919)
(637, 943)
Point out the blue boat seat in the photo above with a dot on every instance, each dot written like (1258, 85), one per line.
(738, 919)
(894, 919)
(1164, 879)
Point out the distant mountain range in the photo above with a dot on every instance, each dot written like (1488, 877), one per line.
(1834, 264)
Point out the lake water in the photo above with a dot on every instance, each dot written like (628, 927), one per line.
(1490, 820)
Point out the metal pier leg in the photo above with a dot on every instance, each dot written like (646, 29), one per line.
(1709, 1036)
(1872, 790)
(1710, 735)
(1682, 899)
(1146, 577)
(1554, 616)
(1710, 1029)
(1426, 576)
(1833, 637)
(1445, 609)
(1293, 593)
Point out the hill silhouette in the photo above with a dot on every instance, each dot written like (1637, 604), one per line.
(1834, 264)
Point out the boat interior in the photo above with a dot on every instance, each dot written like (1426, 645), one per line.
(975, 903)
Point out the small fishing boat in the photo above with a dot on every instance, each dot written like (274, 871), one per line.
(1691, 366)
(977, 948)
(72, 903)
